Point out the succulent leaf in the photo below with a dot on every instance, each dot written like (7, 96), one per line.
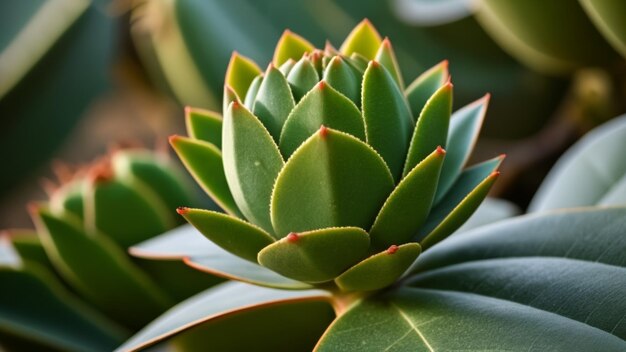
(240, 73)
(388, 121)
(341, 76)
(251, 163)
(252, 93)
(229, 97)
(204, 125)
(424, 86)
(359, 62)
(387, 57)
(465, 125)
(291, 46)
(302, 78)
(364, 40)
(286, 67)
(318, 255)
(204, 161)
(380, 270)
(431, 129)
(406, 209)
(274, 101)
(335, 179)
(234, 235)
(323, 105)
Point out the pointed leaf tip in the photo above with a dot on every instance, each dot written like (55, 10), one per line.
(293, 237)
(323, 131)
(392, 249)
(441, 151)
(182, 210)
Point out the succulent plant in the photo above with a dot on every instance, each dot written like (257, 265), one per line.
(79, 246)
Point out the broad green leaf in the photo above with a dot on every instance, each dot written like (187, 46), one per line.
(100, 271)
(610, 18)
(592, 234)
(364, 40)
(489, 211)
(380, 270)
(342, 77)
(431, 129)
(234, 235)
(251, 164)
(323, 105)
(333, 178)
(252, 92)
(237, 316)
(186, 243)
(412, 319)
(286, 67)
(22, 245)
(240, 73)
(127, 213)
(33, 302)
(229, 97)
(387, 57)
(302, 78)
(592, 172)
(465, 126)
(318, 255)
(274, 101)
(460, 203)
(388, 121)
(589, 292)
(425, 85)
(203, 160)
(204, 125)
(291, 46)
(408, 205)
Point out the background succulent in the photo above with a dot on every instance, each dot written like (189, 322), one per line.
(78, 250)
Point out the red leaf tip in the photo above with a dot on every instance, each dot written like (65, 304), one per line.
(173, 138)
(495, 174)
(392, 249)
(440, 150)
(321, 85)
(235, 105)
(502, 156)
(323, 131)
(374, 63)
(187, 110)
(182, 210)
(293, 237)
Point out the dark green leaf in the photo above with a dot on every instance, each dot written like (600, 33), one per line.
(273, 101)
(341, 76)
(424, 86)
(387, 57)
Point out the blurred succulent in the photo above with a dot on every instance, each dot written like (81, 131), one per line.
(79, 249)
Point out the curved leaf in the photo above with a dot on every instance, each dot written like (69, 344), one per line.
(302, 78)
(318, 255)
(240, 73)
(274, 101)
(252, 92)
(323, 105)
(387, 57)
(408, 205)
(380, 270)
(433, 320)
(343, 78)
(229, 97)
(592, 172)
(333, 178)
(232, 234)
(424, 86)
(251, 164)
(388, 121)
(204, 125)
(364, 40)
(291, 46)
(204, 162)
(231, 311)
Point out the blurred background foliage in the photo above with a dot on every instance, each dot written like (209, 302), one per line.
(76, 75)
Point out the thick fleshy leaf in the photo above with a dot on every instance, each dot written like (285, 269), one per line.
(240, 73)
(610, 18)
(18, 245)
(431, 129)
(408, 205)
(424, 86)
(100, 271)
(322, 106)
(68, 198)
(464, 198)
(465, 126)
(333, 178)
(592, 172)
(291, 46)
(433, 320)
(364, 40)
(318, 255)
(592, 234)
(186, 243)
(234, 235)
(274, 101)
(286, 67)
(359, 62)
(380, 270)
(251, 163)
(241, 317)
(229, 97)
(204, 125)
(589, 292)
(388, 121)
(127, 212)
(252, 93)
(33, 302)
(387, 57)
(341, 76)
(302, 78)
(204, 162)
